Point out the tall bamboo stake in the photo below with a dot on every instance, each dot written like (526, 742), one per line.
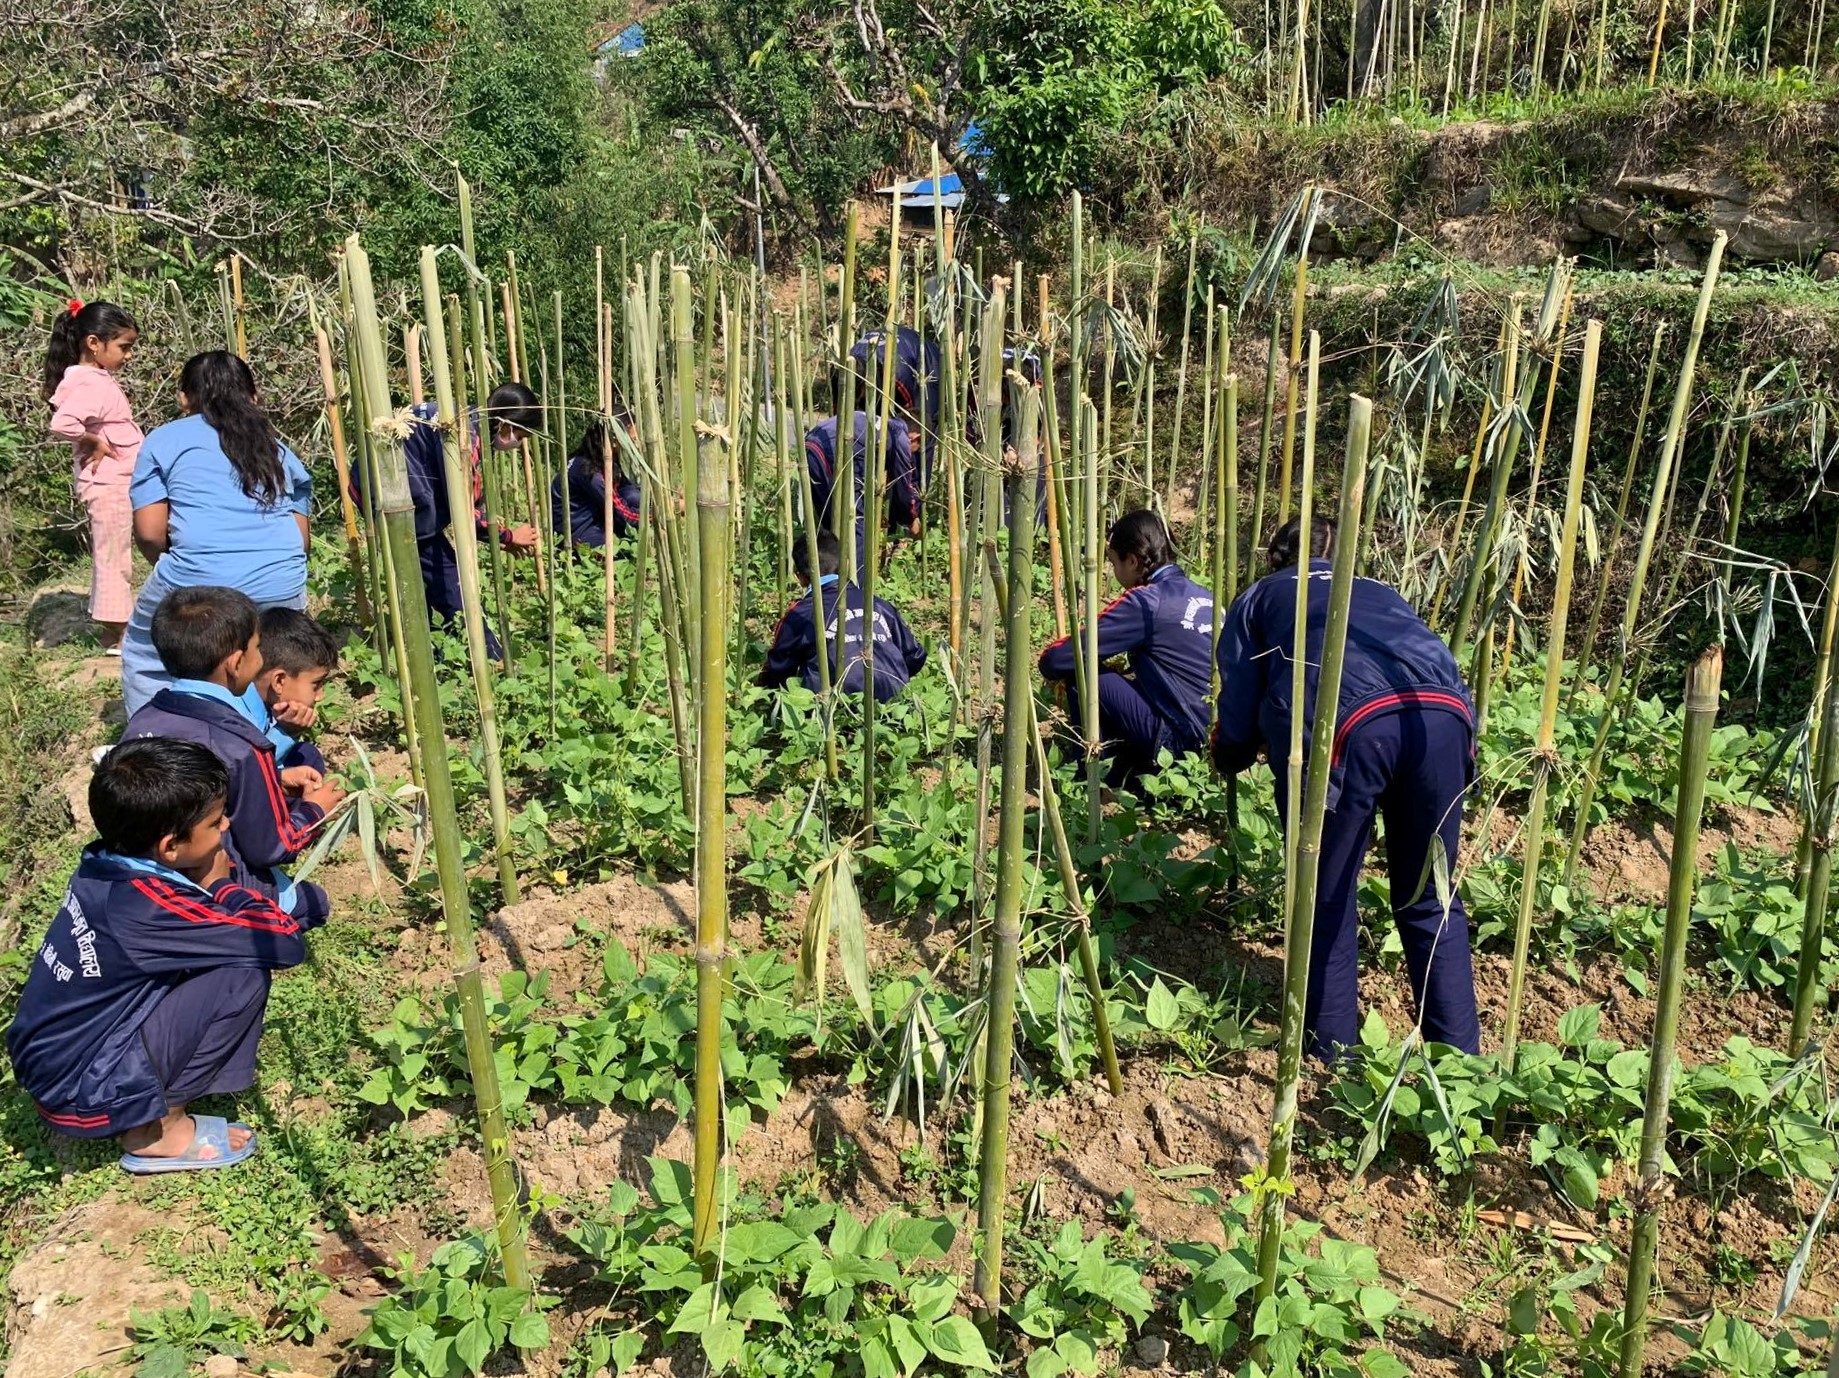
(466, 559)
(1488, 532)
(713, 500)
(456, 904)
(1006, 931)
(1587, 646)
(335, 423)
(1545, 751)
(1631, 617)
(1308, 852)
(1648, 1195)
(1813, 869)
(1297, 305)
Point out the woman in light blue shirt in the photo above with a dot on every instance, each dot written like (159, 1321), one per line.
(218, 499)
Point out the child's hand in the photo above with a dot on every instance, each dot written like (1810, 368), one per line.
(292, 713)
(92, 449)
(300, 780)
(521, 540)
(220, 869)
(326, 794)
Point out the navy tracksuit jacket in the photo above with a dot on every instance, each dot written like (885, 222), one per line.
(122, 940)
(897, 654)
(267, 826)
(899, 480)
(1403, 746)
(440, 567)
(587, 503)
(917, 371)
(1165, 628)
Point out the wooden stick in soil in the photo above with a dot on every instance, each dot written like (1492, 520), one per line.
(1631, 616)
(1545, 749)
(713, 501)
(411, 363)
(456, 903)
(454, 444)
(1297, 304)
(1305, 867)
(1587, 647)
(236, 298)
(335, 423)
(1649, 1191)
(1006, 931)
(488, 468)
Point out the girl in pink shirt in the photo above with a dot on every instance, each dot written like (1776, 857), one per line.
(89, 346)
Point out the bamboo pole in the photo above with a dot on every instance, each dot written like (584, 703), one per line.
(456, 904)
(466, 559)
(1631, 617)
(1303, 871)
(1587, 646)
(411, 363)
(1649, 1194)
(335, 423)
(236, 298)
(713, 500)
(1545, 748)
(1297, 312)
(1006, 931)
(488, 470)
(1488, 531)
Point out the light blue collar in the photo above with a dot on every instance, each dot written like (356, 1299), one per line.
(827, 580)
(204, 689)
(259, 713)
(148, 867)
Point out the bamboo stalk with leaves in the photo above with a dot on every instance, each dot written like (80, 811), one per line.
(393, 500)
(1274, 1179)
(1545, 753)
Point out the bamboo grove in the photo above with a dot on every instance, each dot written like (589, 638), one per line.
(720, 376)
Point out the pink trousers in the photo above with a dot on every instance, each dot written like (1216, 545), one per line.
(111, 539)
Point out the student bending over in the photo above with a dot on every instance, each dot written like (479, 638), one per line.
(210, 642)
(149, 989)
(897, 654)
(1163, 624)
(583, 519)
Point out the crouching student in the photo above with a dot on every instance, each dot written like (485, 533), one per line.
(899, 478)
(210, 642)
(917, 371)
(298, 656)
(1163, 625)
(890, 643)
(1403, 747)
(149, 989)
(512, 415)
(579, 498)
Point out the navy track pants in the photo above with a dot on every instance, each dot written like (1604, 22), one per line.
(1411, 768)
(202, 1037)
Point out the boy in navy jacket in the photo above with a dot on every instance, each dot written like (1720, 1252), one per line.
(210, 641)
(584, 517)
(898, 477)
(916, 385)
(298, 656)
(512, 413)
(149, 989)
(897, 654)
(1163, 623)
(1403, 746)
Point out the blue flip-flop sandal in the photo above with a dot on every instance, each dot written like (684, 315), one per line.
(210, 1148)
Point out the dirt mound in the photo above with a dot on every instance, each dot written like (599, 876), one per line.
(73, 1291)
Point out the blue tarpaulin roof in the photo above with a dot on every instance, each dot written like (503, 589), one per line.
(627, 42)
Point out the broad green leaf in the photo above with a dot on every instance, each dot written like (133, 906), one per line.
(530, 1331)
(956, 1341)
(1160, 1007)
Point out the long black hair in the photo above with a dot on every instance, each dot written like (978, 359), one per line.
(220, 387)
(597, 435)
(1286, 547)
(75, 324)
(1144, 534)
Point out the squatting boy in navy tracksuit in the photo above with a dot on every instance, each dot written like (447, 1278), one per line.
(149, 989)
(512, 413)
(898, 477)
(298, 656)
(1404, 747)
(916, 385)
(1163, 622)
(897, 654)
(585, 521)
(209, 641)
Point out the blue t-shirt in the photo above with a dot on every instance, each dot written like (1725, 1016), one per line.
(217, 534)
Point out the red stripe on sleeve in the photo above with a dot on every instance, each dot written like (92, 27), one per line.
(265, 919)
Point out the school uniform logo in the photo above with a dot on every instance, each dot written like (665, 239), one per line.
(1190, 617)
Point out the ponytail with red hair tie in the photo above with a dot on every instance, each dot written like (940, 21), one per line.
(75, 306)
